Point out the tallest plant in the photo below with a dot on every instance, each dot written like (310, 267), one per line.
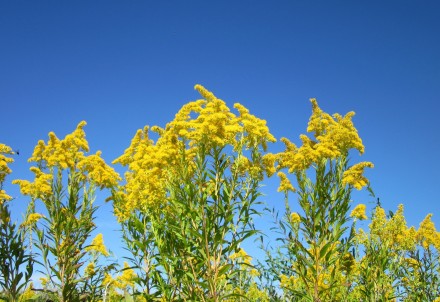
(189, 198)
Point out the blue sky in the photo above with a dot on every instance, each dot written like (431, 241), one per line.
(120, 65)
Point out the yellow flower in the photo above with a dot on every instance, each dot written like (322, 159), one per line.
(241, 255)
(206, 125)
(4, 196)
(108, 279)
(427, 235)
(90, 269)
(254, 273)
(98, 171)
(4, 170)
(33, 219)
(97, 245)
(295, 218)
(41, 187)
(285, 184)
(28, 294)
(392, 232)
(354, 175)
(127, 278)
(44, 281)
(334, 136)
(359, 212)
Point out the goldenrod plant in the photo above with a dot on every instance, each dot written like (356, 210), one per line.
(189, 198)
(65, 182)
(315, 259)
(16, 261)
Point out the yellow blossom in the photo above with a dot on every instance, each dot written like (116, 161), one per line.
(392, 232)
(4, 161)
(359, 212)
(334, 136)
(295, 218)
(108, 279)
(205, 124)
(241, 255)
(4, 170)
(28, 294)
(97, 245)
(32, 219)
(66, 154)
(427, 234)
(44, 281)
(90, 269)
(98, 171)
(126, 279)
(354, 175)
(285, 184)
(41, 187)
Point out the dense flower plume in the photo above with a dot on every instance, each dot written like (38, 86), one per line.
(207, 122)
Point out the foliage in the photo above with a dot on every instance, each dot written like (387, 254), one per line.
(65, 182)
(187, 206)
(189, 198)
(16, 262)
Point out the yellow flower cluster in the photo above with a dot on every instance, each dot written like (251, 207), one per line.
(205, 124)
(98, 245)
(126, 279)
(285, 184)
(4, 170)
(354, 175)
(392, 232)
(33, 219)
(334, 136)
(41, 186)
(295, 218)
(67, 153)
(359, 212)
(90, 269)
(241, 255)
(427, 235)
(288, 282)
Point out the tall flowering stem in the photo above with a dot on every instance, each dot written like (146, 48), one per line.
(189, 198)
(65, 182)
(317, 239)
(16, 261)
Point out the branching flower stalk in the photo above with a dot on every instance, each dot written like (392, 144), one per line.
(195, 189)
(318, 239)
(64, 183)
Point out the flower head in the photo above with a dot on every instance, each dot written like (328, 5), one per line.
(97, 245)
(359, 212)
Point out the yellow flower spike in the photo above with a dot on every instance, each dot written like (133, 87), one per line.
(4, 168)
(359, 212)
(127, 277)
(427, 234)
(97, 245)
(90, 269)
(33, 219)
(204, 92)
(98, 171)
(295, 218)
(285, 184)
(354, 175)
(319, 121)
(269, 163)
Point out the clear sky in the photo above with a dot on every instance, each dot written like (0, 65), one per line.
(120, 65)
